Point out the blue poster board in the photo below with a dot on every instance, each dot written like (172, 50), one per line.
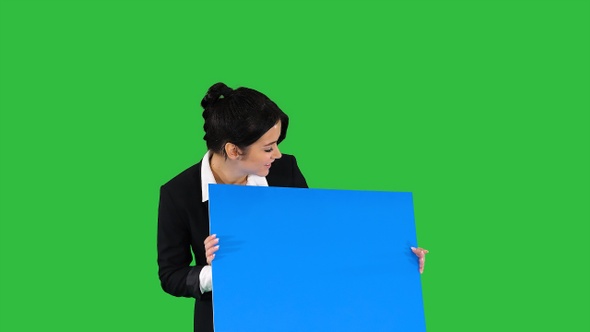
(293, 259)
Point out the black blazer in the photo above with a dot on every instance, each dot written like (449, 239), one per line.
(183, 224)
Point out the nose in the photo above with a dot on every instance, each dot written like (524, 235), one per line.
(277, 153)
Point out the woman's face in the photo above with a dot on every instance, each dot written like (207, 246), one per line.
(261, 154)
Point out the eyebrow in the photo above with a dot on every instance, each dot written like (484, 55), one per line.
(271, 143)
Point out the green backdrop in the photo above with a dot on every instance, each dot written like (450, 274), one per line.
(480, 108)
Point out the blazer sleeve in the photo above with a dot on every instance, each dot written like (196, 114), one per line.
(177, 277)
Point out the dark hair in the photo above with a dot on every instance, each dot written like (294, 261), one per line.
(239, 116)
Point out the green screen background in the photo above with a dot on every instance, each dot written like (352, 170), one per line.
(480, 108)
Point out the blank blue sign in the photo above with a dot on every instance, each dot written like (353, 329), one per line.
(293, 259)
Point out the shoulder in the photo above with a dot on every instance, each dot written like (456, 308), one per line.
(286, 160)
(284, 164)
(285, 173)
(185, 184)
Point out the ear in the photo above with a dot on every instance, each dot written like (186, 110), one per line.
(233, 151)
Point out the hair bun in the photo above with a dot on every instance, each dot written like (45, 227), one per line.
(215, 92)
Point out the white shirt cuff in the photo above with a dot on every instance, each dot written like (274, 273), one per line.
(205, 279)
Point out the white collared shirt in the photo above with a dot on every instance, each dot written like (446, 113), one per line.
(205, 277)
(208, 178)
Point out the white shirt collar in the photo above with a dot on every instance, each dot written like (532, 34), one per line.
(208, 178)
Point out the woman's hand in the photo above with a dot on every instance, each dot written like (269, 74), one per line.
(211, 246)
(421, 253)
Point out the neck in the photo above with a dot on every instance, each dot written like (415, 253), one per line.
(225, 171)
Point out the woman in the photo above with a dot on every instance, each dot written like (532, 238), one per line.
(243, 129)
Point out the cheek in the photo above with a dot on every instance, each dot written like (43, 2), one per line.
(264, 158)
(260, 160)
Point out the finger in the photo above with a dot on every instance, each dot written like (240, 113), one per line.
(211, 251)
(210, 238)
(210, 259)
(211, 242)
(423, 250)
(418, 252)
